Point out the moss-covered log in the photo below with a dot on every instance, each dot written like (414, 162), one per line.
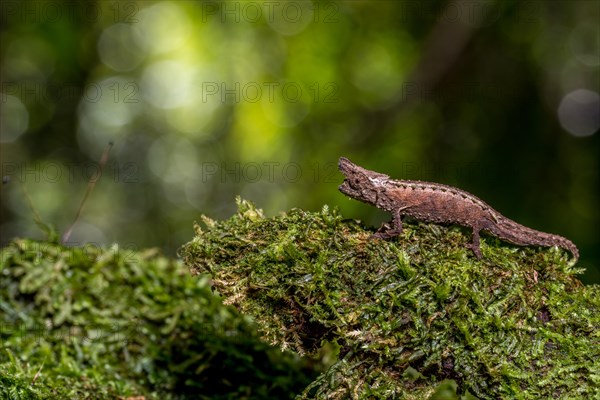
(411, 316)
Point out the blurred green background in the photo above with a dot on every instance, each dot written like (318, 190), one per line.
(207, 100)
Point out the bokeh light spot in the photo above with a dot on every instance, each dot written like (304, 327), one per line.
(173, 160)
(106, 110)
(579, 112)
(161, 28)
(289, 18)
(114, 101)
(380, 73)
(14, 118)
(118, 49)
(168, 84)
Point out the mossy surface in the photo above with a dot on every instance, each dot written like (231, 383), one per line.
(95, 323)
(411, 317)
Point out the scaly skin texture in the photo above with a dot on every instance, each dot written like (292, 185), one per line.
(433, 202)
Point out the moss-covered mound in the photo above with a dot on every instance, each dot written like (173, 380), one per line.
(92, 323)
(400, 317)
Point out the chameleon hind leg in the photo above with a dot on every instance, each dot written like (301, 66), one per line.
(474, 245)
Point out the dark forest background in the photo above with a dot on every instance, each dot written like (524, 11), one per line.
(208, 100)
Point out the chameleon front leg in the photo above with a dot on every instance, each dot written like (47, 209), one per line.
(387, 232)
(474, 245)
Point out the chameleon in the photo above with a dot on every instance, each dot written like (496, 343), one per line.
(440, 204)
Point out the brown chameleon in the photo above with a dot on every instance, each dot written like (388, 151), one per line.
(437, 203)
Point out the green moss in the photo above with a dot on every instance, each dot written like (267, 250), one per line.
(408, 318)
(93, 323)
(412, 318)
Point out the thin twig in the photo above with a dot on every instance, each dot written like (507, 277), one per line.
(90, 188)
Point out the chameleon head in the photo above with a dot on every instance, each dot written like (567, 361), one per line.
(359, 181)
